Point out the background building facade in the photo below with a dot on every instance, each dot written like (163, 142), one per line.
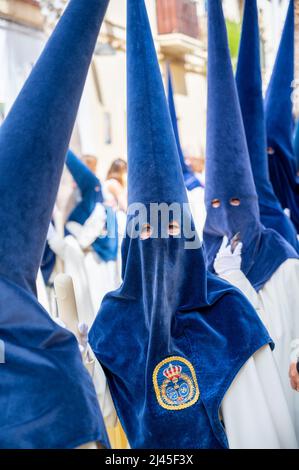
(180, 33)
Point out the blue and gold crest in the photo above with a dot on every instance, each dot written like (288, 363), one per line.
(175, 383)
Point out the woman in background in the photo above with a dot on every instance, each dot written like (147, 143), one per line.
(115, 194)
(116, 184)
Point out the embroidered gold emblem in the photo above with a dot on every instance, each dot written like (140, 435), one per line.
(175, 383)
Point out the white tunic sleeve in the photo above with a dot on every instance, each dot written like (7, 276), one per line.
(239, 280)
(93, 227)
(104, 396)
(277, 304)
(57, 244)
(198, 209)
(254, 409)
(42, 292)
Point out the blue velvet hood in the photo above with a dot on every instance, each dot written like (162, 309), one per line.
(172, 338)
(91, 194)
(249, 84)
(228, 170)
(47, 398)
(280, 123)
(190, 179)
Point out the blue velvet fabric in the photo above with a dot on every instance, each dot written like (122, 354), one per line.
(280, 123)
(47, 399)
(48, 263)
(249, 84)
(169, 315)
(228, 169)
(190, 179)
(91, 193)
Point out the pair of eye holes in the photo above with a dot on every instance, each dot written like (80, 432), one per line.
(235, 202)
(173, 230)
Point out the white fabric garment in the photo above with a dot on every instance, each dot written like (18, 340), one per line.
(198, 209)
(277, 304)
(21, 50)
(254, 409)
(93, 227)
(121, 220)
(42, 295)
(104, 396)
(70, 252)
(102, 276)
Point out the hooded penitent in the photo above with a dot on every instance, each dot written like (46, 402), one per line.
(91, 194)
(249, 84)
(190, 179)
(280, 123)
(47, 398)
(172, 337)
(230, 194)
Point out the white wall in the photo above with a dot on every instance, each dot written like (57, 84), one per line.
(19, 49)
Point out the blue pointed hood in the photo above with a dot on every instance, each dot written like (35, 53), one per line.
(190, 179)
(170, 300)
(91, 194)
(249, 84)
(230, 194)
(34, 139)
(280, 123)
(48, 399)
(278, 102)
(151, 139)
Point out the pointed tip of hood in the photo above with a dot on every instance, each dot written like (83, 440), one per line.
(278, 100)
(249, 84)
(35, 136)
(154, 171)
(228, 169)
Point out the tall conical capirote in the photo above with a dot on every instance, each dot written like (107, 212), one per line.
(154, 171)
(190, 179)
(230, 194)
(90, 188)
(229, 176)
(47, 399)
(34, 139)
(280, 122)
(249, 84)
(278, 102)
(168, 306)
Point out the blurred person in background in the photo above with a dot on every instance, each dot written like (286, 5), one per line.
(93, 223)
(115, 186)
(115, 194)
(91, 162)
(197, 164)
(195, 189)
